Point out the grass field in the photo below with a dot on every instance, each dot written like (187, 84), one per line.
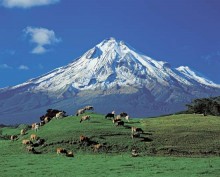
(177, 145)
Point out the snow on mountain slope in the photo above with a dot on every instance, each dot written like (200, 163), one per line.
(189, 73)
(111, 63)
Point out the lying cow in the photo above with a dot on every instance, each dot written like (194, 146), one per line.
(30, 149)
(119, 123)
(26, 142)
(61, 151)
(96, 147)
(83, 139)
(83, 118)
(13, 137)
(70, 154)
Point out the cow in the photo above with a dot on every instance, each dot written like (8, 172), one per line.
(83, 139)
(33, 126)
(119, 123)
(30, 149)
(39, 142)
(13, 137)
(135, 129)
(42, 123)
(110, 115)
(80, 111)
(127, 118)
(96, 147)
(46, 119)
(70, 154)
(60, 115)
(115, 120)
(61, 151)
(23, 132)
(135, 135)
(36, 127)
(134, 153)
(123, 114)
(25, 142)
(83, 118)
(89, 108)
(33, 137)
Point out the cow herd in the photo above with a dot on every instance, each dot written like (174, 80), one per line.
(35, 141)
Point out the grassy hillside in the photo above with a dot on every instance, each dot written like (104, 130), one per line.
(171, 136)
(186, 134)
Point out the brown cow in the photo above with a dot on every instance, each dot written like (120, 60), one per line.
(80, 111)
(83, 118)
(96, 147)
(25, 142)
(33, 137)
(83, 139)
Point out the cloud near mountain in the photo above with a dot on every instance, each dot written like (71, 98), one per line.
(26, 3)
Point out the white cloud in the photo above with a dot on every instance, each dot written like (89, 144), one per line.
(23, 67)
(27, 3)
(5, 66)
(41, 37)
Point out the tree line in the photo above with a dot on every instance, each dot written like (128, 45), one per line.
(205, 106)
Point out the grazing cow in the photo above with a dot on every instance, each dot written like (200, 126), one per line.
(83, 139)
(33, 137)
(135, 129)
(110, 115)
(13, 137)
(61, 151)
(36, 128)
(119, 123)
(23, 131)
(80, 111)
(40, 141)
(96, 147)
(25, 142)
(70, 154)
(83, 118)
(60, 115)
(89, 108)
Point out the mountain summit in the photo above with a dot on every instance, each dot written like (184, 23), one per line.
(111, 75)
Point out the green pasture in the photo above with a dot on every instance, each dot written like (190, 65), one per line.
(176, 145)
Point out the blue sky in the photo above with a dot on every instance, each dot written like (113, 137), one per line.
(37, 36)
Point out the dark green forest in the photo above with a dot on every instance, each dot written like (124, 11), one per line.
(205, 106)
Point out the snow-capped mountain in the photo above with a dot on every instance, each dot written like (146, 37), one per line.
(111, 75)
